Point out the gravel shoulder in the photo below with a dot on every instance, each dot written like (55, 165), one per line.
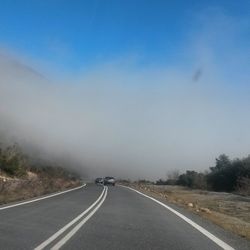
(228, 211)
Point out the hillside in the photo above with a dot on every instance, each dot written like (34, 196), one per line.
(23, 176)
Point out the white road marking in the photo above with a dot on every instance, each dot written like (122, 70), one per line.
(212, 237)
(62, 230)
(41, 198)
(79, 225)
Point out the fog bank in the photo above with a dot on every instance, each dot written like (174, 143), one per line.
(128, 121)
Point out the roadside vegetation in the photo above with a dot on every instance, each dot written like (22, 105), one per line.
(22, 177)
(226, 176)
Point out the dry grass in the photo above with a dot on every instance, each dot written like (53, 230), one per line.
(19, 189)
(230, 211)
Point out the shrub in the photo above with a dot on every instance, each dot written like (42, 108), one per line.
(13, 161)
(225, 176)
(193, 179)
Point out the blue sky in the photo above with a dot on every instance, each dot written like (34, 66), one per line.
(76, 34)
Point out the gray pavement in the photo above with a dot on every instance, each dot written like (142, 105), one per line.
(125, 220)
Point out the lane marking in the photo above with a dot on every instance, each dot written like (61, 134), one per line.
(63, 229)
(41, 198)
(212, 237)
(79, 225)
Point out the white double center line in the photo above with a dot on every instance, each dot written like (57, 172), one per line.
(100, 200)
(79, 225)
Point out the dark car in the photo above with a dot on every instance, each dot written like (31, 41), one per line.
(109, 181)
(99, 181)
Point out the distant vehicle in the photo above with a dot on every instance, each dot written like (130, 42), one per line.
(109, 181)
(99, 181)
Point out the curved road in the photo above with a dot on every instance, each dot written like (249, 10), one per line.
(94, 217)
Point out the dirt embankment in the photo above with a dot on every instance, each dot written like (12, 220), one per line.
(15, 189)
(230, 211)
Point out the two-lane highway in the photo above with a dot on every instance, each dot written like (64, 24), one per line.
(95, 217)
(130, 221)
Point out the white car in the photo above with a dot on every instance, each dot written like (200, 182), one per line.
(109, 181)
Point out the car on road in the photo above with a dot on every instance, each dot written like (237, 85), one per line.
(109, 181)
(99, 180)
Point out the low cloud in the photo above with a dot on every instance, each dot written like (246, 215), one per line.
(130, 122)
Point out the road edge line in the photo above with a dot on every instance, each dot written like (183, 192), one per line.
(74, 230)
(68, 225)
(202, 230)
(41, 198)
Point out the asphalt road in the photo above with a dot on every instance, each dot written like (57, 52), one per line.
(94, 217)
